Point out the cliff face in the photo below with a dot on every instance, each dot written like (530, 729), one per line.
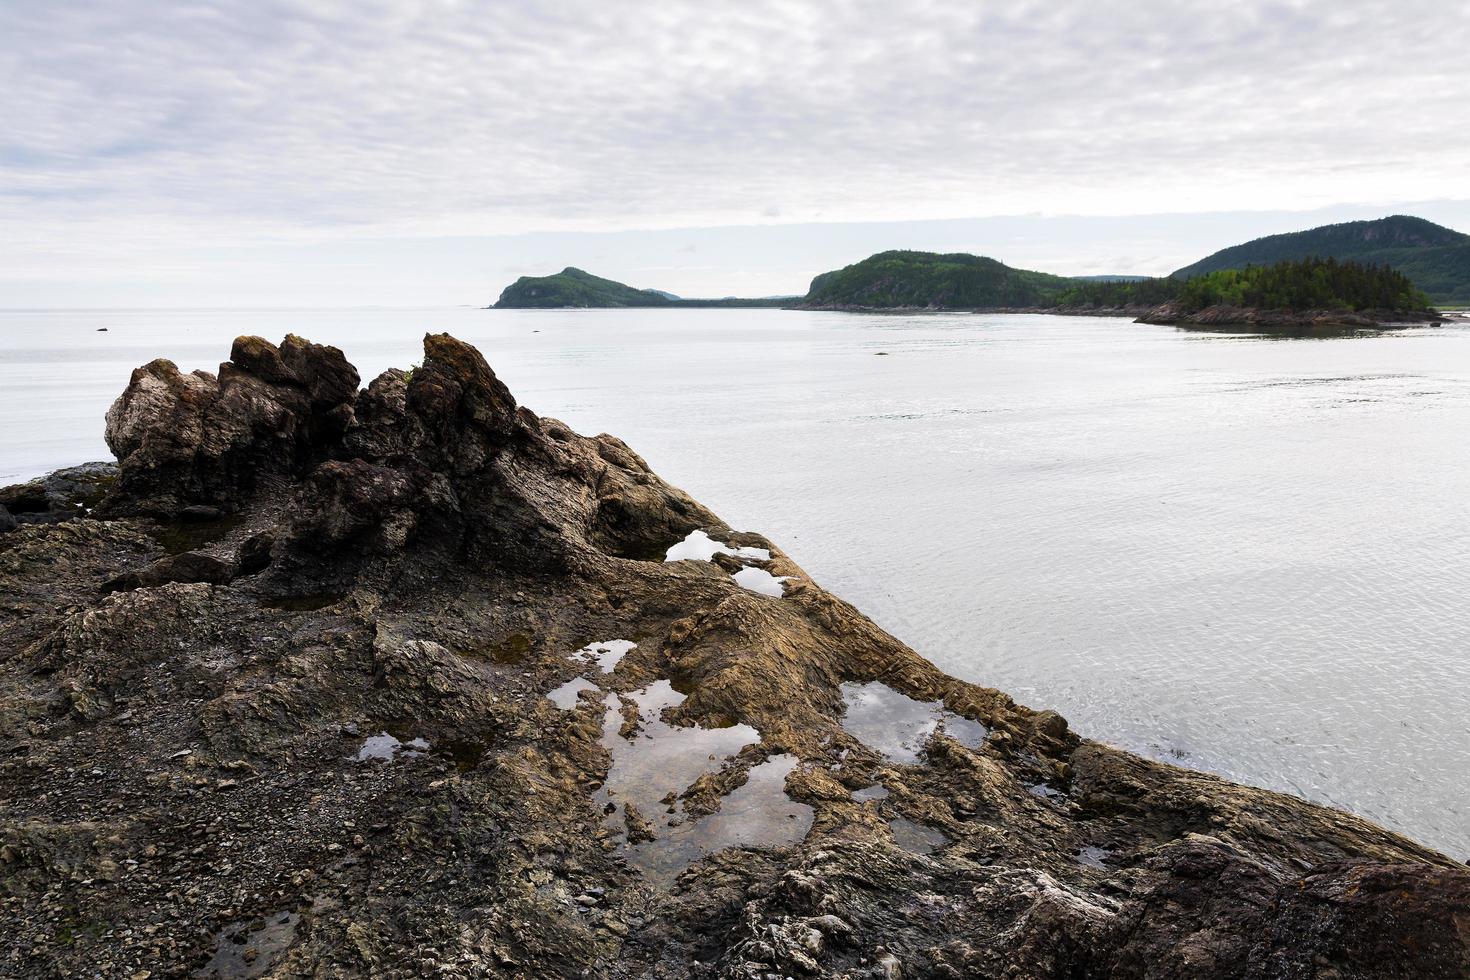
(396, 682)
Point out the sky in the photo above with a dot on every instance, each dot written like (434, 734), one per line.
(321, 153)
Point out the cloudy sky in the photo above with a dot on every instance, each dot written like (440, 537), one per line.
(282, 152)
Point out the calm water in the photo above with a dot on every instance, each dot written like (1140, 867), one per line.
(1245, 555)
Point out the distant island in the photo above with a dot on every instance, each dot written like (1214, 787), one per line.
(1357, 274)
(574, 288)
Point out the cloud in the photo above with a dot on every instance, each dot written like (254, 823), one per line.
(156, 125)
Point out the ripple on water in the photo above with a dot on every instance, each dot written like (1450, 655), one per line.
(899, 726)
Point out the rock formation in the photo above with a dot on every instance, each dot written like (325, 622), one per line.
(282, 705)
(1303, 321)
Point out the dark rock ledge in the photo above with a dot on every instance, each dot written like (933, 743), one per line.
(1304, 321)
(286, 565)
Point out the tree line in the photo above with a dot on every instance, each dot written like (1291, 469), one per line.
(1302, 284)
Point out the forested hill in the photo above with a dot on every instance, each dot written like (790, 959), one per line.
(572, 287)
(927, 279)
(1436, 258)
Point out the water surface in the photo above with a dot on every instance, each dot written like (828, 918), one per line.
(1241, 554)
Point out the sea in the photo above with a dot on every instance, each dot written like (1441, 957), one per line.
(1244, 554)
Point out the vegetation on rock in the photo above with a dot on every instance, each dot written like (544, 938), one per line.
(930, 280)
(1436, 258)
(573, 287)
(1307, 284)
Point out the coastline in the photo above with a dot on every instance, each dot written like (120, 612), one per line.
(403, 536)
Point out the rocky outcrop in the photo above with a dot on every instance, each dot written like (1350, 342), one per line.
(1285, 320)
(396, 683)
(58, 496)
(200, 444)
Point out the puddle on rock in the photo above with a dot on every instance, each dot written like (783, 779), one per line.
(607, 654)
(898, 726)
(1094, 857)
(179, 536)
(251, 949)
(565, 696)
(699, 546)
(1045, 792)
(875, 792)
(387, 748)
(758, 814)
(915, 837)
(463, 753)
(660, 761)
(760, 580)
(510, 651)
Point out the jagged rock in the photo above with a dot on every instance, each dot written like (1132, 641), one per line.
(191, 566)
(200, 440)
(369, 597)
(59, 496)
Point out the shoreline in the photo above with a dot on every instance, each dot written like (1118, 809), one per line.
(423, 558)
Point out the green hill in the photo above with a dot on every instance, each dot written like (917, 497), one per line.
(927, 279)
(1436, 258)
(573, 287)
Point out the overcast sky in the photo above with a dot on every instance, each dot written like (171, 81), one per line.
(282, 152)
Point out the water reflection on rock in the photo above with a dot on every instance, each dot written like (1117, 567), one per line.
(606, 654)
(899, 726)
(758, 814)
(565, 696)
(915, 837)
(387, 747)
(654, 764)
(699, 546)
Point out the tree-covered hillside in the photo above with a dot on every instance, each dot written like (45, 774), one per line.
(1310, 284)
(573, 287)
(1436, 258)
(927, 279)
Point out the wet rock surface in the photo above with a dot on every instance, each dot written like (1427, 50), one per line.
(323, 688)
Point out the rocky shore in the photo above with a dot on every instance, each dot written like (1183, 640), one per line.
(406, 681)
(1130, 311)
(1287, 320)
